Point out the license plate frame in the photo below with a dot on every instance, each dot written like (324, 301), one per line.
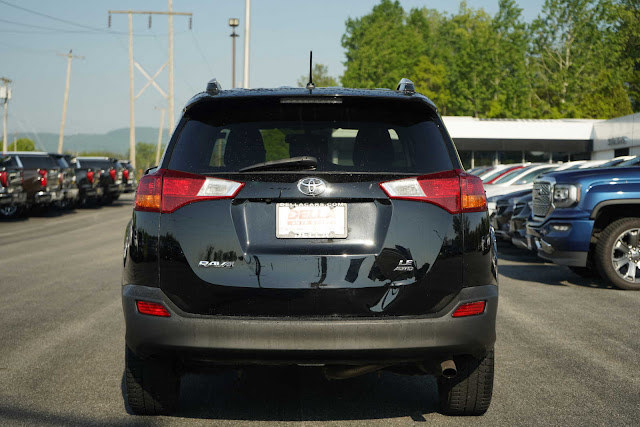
(306, 228)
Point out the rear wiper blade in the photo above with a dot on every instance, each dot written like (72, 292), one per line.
(293, 163)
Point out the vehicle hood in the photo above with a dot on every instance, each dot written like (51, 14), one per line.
(591, 175)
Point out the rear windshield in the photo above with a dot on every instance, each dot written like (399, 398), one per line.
(8, 162)
(38, 162)
(368, 135)
(94, 164)
(509, 176)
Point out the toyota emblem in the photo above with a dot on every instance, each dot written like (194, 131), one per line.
(312, 186)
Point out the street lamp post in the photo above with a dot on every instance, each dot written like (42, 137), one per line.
(233, 23)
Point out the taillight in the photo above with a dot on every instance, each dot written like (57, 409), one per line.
(60, 178)
(166, 191)
(469, 309)
(4, 179)
(43, 177)
(112, 172)
(125, 174)
(90, 177)
(152, 309)
(454, 191)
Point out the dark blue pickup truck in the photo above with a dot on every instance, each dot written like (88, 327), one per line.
(589, 220)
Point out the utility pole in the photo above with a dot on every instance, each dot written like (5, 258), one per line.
(162, 110)
(247, 29)
(150, 79)
(5, 96)
(233, 23)
(171, 118)
(70, 57)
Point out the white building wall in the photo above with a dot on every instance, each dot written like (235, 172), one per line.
(610, 135)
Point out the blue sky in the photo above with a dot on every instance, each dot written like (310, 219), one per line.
(282, 33)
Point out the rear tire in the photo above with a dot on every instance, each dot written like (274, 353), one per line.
(469, 392)
(153, 386)
(625, 235)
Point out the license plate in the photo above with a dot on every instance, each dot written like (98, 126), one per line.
(311, 220)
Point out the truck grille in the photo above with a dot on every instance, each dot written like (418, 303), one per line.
(541, 199)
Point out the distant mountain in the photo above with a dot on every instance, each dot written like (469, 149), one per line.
(115, 141)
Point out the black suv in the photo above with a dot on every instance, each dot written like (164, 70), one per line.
(328, 227)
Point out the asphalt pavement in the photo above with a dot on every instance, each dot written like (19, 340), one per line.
(568, 350)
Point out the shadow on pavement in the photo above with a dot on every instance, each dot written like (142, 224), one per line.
(535, 269)
(303, 394)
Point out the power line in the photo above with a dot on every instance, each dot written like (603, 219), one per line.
(52, 17)
(41, 27)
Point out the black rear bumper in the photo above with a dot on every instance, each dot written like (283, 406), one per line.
(242, 340)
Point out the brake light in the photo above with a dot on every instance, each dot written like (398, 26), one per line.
(4, 181)
(152, 309)
(454, 191)
(43, 177)
(90, 177)
(166, 191)
(60, 178)
(125, 174)
(112, 172)
(470, 309)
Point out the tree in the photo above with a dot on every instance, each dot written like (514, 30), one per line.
(321, 77)
(580, 69)
(381, 48)
(629, 13)
(145, 155)
(22, 144)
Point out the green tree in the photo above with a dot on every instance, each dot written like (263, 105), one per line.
(577, 52)
(22, 144)
(321, 77)
(629, 13)
(145, 155)
(381, 47)
(511, 80)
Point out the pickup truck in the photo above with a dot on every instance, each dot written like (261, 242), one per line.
(41, 179)
(109, 175)
(589, 220)
(13, 198)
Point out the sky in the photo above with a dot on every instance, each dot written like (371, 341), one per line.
(282, 33)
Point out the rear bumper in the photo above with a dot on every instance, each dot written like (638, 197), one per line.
(19, 198)
(240, 340)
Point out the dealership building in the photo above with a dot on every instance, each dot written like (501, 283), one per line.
(487, 141)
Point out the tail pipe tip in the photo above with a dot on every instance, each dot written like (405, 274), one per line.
(448, 369)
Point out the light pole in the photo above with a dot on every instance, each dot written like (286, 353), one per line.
(233, 23)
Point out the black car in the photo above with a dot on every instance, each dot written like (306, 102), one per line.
(87, 180)
(108, 172)
(128, 176)
(13, 198)
(328, 227)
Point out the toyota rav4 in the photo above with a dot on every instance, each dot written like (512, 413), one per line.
(320, 226)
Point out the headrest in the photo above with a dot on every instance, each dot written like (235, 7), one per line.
(307, 145)
(373, 149)
(244, 148)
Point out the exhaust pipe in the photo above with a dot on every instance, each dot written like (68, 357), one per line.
(448, 369)
(344, 372)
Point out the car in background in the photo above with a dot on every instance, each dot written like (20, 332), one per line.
(616, 161)
(519, 179)
(501, 211)
(479, 170)
(41, 178)
(589, 220)
(68, 182)
(518, 222)
(87, 181)
(109, 175)
(628, 163)
(129, 176)
(493, 176)
(13, 198)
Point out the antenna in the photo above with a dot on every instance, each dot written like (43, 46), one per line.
(311, 85)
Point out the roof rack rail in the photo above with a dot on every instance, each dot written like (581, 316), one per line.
(213, 87)
(405, 85)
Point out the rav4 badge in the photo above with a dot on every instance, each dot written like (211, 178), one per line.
(216, 264)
